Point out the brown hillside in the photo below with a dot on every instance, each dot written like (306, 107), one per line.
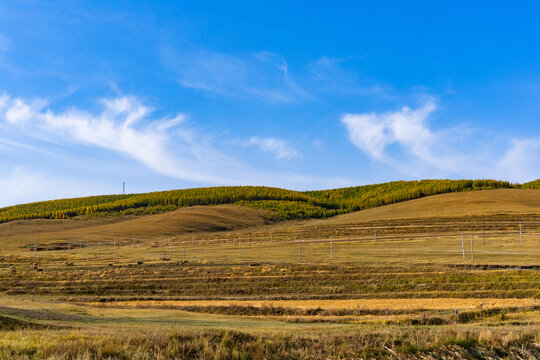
(472, 203)
(185, 220)
(495, 204)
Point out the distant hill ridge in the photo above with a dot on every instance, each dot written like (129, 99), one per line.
(286, 204)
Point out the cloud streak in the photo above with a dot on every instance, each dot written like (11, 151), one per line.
(373, 133)
(404, 140)
(262, 75)
(277, 147)
(167, 145)
(124, 125)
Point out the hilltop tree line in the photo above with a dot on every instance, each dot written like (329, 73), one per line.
(286, 204)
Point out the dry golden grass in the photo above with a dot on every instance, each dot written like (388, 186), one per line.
(186, 220)
(366, 304)
(439, 214)
(485, 202)
(415, 269)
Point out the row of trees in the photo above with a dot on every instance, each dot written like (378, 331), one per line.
(365, 197)
(531, 185)
(286, 204)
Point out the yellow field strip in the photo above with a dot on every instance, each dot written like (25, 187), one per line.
(366, 304)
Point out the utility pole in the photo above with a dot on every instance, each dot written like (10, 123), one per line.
(114, 246)
(3, 241)
(462, 246)
(99, 249)
(331, 249)
(520, 234)
(123, 187)
(299, 250)
(374, 232)
(170, 248)
(35, 251)
(271, 237)
(184, 250)
(240, 245)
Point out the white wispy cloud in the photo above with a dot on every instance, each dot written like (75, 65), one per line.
(373, 133)
(329, 75)
(424, 152)
(521, 160)
(261, 75)
(279, 148)
(169, 146)
(266, 76)
(124, 125)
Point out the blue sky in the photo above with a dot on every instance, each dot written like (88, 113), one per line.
(302, 95)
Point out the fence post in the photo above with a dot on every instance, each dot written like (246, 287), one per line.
(184, 250)
(331, 248)
(299, 250)
(462, 246)
(484, 226)
(520, 234)
(375, 232)
(472, 250)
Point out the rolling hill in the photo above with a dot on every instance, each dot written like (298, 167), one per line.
(181, 221)
(257, 215)
(285, 204)
(463, 204)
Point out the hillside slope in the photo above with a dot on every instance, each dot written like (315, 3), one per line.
(286, 204)
(185, 220)
(472, 203)
(204, 221)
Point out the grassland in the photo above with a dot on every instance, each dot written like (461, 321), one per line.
(228, 282)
